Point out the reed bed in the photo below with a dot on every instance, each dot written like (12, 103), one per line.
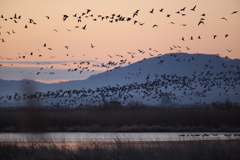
(119, 119)
(118, 150)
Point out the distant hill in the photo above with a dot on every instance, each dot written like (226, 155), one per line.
(184, 78)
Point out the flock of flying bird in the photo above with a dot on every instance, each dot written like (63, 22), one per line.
(155, 88)
(149, 89)
(207, 135)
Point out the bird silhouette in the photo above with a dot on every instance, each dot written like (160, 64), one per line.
(214, 36)
(92, 46)
(193, 9)
(223, 18)
(234, 12)
(151, 11)
(200, 22)
(88, 10)
(84, 27)
(183, 9)
(136, 13)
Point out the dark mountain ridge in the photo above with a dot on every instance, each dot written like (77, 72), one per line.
(189, 78)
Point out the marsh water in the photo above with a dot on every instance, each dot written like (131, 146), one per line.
(112, 136)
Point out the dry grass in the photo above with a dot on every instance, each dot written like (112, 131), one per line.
(180, 150)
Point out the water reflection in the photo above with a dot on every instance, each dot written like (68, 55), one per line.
(91, 137)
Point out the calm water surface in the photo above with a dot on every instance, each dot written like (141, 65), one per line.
(86, 136)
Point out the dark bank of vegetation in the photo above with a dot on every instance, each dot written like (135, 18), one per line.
(181, 150)
(113, 117)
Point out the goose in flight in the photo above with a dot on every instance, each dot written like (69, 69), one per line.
(135, 13)
(193, 9)
(223, 18)
(88, 10)
(151, 11)
(183, 9)
(234, 12)
(200, 22)
(84, 27)
(65, 17)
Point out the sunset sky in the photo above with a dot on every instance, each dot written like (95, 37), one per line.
(23, 55)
